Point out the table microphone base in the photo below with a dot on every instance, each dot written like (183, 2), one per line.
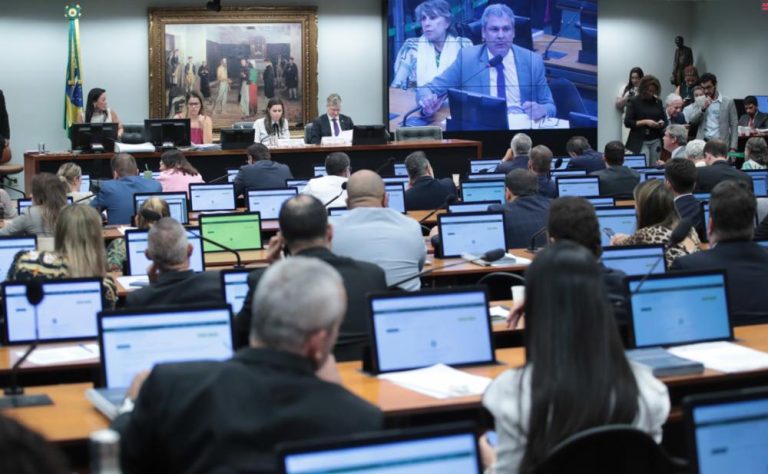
(21, 401)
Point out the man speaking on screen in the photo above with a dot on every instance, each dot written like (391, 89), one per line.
(497, 68)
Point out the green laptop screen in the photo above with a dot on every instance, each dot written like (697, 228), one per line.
(236, 231)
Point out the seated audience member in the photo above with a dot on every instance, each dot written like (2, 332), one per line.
(540, 162)
(674, 109)
(331, 123)
(229, 416)
(72, 175)
(732, 208)
(534, 406)
(374, 233)
(525, 210)
(49, 196)
(78, 252)
(680, 178)
(327, 188)
(23, 451)
(616, 180)
(116, 195)
(172, 281)
(752, 117)
(305, 231)
(7, 206)
(177, 173)
(583, 157)
(116, 251)
(656, 219)
(261, 172)
(425, 192)
(718, 168)
(517, 154)
(694, 151)
(674, 140)
(755, 154)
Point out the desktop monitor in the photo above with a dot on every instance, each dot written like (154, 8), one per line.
(396, 193)
(177, 204)
(212, 197)
(559, 173)
(269, 201)
(236, 138)
(601, 201)
(369, 135)
(400, 169)
(635, 259)
(478, 206)
(236, 230)
(167, 133)
(678, 308)
(85, 183)
(319, 170)
(136, 241)
(578, 186)
(472, 232)
(483, 166)
(234, 286)
(67, 312)
(404, 324)
(10, 246)
(95, 137)
(299, 184)
(635, 161)
(615, 220)
(476, 111)
(231, 174)
(485, 176)
(473, 191)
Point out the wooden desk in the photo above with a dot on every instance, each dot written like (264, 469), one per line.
(401, 101)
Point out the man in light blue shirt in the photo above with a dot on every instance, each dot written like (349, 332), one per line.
(374, 233)
(717, 117)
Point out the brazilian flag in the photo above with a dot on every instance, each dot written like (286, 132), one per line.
(73, 92)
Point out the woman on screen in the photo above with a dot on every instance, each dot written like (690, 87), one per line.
(116, 250)
(200, 125)
(97, 110)
(273, 125)
(421, 59)
(576, 375)
(49, 196)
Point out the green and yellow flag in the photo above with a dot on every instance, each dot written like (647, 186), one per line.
(73, 92)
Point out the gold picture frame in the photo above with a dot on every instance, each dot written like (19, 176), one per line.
(189, 46)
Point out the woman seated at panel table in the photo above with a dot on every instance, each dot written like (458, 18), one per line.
(273, 125)
(72, 175)
(97, 110)
(116, 250)
(177, 173)
(49, 196)
(200, 125)
(576, 375)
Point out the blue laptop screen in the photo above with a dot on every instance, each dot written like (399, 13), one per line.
(634, 260)
(602, 201)
(269, 201)
(574, 186)
(482, 190)
(634, 161)
(615, 221)
(459, 207)
(471, 233)
(396, 194)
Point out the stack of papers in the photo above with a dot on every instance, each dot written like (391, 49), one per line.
(439, 381)
(60, 355)
(723, 356)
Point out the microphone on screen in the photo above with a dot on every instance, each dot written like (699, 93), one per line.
(489, 256)
(679, 233)
(450, 199)
(343, 188)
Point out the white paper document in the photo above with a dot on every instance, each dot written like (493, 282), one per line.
(61, 355)
(507, 259)
(134, 147)
(499, 313)
(439, 381)
(723, 356)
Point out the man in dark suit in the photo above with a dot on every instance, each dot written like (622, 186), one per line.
(304, 231)
(525, 211)
(680, 178)
(540, 162)
(583, 157)
(228, 416)
(172, 281)
(425, 192)
(753, 118)
(616, 180)
(732, 209)
(116, 195)
(331, 123)
(718, 168)
(517, 154)
(261, 172)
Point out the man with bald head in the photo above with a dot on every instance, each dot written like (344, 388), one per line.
(372, 232)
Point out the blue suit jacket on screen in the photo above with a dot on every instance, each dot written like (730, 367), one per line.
(116, 196)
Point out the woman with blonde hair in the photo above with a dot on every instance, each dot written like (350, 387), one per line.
(71, 174)
(78, 252)
(176, 172)
(116, 251)
(49, 196)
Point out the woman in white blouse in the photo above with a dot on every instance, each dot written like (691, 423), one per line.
(274, 124)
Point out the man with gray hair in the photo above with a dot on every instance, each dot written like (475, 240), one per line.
(694, 151)
(425, 192)
(172, 281)
(526, 211)
(331, 123)
(517, 154)
(328, 189)
(674, 140)
(228, 416)
(674, 109)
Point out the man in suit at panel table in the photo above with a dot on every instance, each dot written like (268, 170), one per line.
(497, 68)
(261, 172)
(674, 140)
(540, 162)
(616, 180)
(718, 168)
(331, 123)
(716, 119)
(752, 117)
(732, 209)
(517, 154)
(583, 157)
(680, 178)
(425, 192)
(229, 416)
(116, 195)
(305, 232)
(525, 211)
(172, 281)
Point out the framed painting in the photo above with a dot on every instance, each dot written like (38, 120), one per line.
(236, 60)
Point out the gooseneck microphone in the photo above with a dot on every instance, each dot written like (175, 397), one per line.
(489, 256)
(390, 160)
(343, 188)
(450, 199)
(679, 234)
(532, 245)
(220, 179)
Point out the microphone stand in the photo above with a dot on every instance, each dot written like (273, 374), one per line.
(239, 265)
(532, 245)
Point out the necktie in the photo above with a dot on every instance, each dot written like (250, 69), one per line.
(501, 86)
(336, 130)
(752, 122)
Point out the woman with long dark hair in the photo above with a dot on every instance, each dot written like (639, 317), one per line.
(576, 375)
(273, 124)
(626, 92)
(200, 125)
(97, 110)
(176, 172)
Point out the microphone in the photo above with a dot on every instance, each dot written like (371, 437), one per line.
(679, 234)
(489, 256)
(390, 160)
(276, 129)
(86, 198)
(220, 179)
(558, 163)
(532, 245)
(450, 199)
(343, 188)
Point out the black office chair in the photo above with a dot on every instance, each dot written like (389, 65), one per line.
(494, 290)
(133, 133)
(567, 98)
(613, 449)
(307, 132)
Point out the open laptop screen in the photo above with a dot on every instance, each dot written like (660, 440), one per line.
(483, 166)
(9, 247)
(67, 312)
(559, 173)
(136, 243)
(615, 220)
(678, 308)
(634, 161)
(231, 174)
(23, 204)
(269, 201)
(235, 286)
(483, 190)
(177, 204)
(319, 170)
(212, 197)
(758, 181)
(400, 169)
(635, 260)
(485, 176)
(473, 233)
(299, 184)
(419, 329)
(600, 201)
(238, 231)
(396, 192)
(479, 206)
(578, 186)
(85, 183)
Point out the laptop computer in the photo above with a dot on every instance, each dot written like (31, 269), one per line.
(560, 162)
(477, 176)
(24, 203)
(85, 183)
(136, 261)
(577, 186)
(234, 285)
(137, 340)
(678, 308)
(338, 211)
(66, 313)
(615, 220)
(404, 329)
(212, 197)
(236, 230)
(635, 259)
(319, 170)
(601, 201)
(635, 161)
(762, 242)
(10, 246)
(652, 175)
(759, 181)
(727, 431)
(438, 449)
(177, 204)
(269, 201)
(299, 184)
(396, 179)
(479, 206)
(396, 192)
(483, 166)
(490, 190)
(471, 233)
(400, 169)
(231, 174)
(559, 173)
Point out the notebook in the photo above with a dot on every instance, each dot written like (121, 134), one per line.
(759, 178)
(395, 179)
(23, 204)
(133, 341)
(484, 190)
(578, 186)
(652, 175)
(231, 174)
(471, 232)
(615, 220)
(338, 211)
(396, 192)
(419, 329)
(177, 204)
(483, 166)
(212, 197)
(635, 259)
(10, 246)
(560, 162)
(236, 230)
(137, 262)
(269, 201)
(234, 285)
(478, 206)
